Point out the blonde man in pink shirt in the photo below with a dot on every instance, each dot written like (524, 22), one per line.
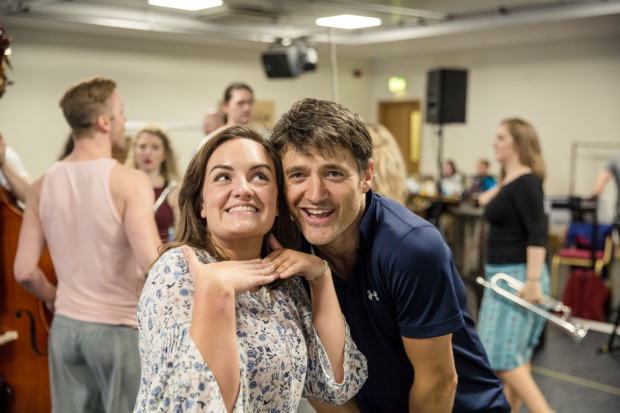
(96, 217)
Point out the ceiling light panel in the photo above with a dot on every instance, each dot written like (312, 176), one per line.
(191, 5)
(348, 21)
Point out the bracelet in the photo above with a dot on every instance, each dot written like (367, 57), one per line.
(315, 279)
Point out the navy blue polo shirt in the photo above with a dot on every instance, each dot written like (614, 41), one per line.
(404, 284)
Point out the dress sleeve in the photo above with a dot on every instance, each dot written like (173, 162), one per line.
(320, 382)
(175, 377)
(419, 277)
(529, 203)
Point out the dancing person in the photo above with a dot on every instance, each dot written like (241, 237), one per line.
(13, 176)
(390, 175)
(221, 330)
(516, 246)
(96, 217)
(394, 276)
(237, 106)
(153, 155)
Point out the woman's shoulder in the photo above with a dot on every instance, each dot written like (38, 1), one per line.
(173, 261)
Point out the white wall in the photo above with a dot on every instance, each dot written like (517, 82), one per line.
(158, 82)
(569, 91)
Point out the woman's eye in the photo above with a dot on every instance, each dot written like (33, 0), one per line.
(261, 176)
(221, 177)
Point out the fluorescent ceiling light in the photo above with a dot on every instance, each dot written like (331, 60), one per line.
(348, 21)
(191, 5)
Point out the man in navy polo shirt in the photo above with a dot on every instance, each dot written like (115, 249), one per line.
(395, 277)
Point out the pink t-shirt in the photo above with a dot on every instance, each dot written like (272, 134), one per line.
(98, 277)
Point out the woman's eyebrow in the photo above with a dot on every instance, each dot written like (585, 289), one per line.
(229, 168)
(260, 165)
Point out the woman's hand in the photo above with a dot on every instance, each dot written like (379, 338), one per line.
(239, 275)
(531, 292)
(288, 262)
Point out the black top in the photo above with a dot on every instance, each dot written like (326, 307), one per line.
(517, 218)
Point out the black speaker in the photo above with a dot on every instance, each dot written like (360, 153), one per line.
(446, 95)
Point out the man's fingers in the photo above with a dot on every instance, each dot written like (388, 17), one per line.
(292, 270)
(273, 242)
(191, 258)
(274, 254)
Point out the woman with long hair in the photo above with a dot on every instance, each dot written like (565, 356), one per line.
(225, 322)
(390, 175)
(516, 246)
(153, 154)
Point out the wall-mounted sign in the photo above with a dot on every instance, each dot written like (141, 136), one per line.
(397, 84)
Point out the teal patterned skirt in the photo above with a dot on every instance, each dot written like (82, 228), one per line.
(508, 331)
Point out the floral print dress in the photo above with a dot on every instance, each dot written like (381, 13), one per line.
(281, 356)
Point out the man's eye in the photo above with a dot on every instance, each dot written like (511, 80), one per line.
(334, 174)
(298, 175)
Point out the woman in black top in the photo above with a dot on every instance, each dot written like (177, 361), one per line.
(516, 246)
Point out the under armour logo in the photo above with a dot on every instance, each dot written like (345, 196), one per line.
(372, 294)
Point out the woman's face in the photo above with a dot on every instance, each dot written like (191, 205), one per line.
(504, 144)
(447, 170)
(150, 153)
(240, 192)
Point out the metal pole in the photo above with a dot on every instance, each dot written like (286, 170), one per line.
(334, 66)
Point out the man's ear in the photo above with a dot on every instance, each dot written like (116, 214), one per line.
(367, 178)
(102, 122)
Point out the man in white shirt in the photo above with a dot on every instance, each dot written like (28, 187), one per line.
(13, 175)
(237, 106)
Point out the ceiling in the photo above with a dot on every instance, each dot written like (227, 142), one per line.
(408, 25)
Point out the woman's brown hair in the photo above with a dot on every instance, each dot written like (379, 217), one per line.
(193, 230)
(390, 179)
(169, 166)
(527, 144)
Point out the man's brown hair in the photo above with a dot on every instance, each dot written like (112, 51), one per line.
(84, 102)
(324, 126)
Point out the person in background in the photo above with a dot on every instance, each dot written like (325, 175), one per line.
(390, 176)
(117, 153)
(222, 330)
(395, 277)
(612, 170)
(96, 217)
(213, 120)
(13, 176)
(237, 107)
(451, 180)
(482, 181)
(153, 155)
(516, 246)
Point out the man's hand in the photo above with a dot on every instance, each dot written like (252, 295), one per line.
(240, 275)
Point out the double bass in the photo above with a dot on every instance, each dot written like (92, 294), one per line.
(24, 320)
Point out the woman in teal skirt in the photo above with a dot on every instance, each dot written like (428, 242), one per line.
(516, 246)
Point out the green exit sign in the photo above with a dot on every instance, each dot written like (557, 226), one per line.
(397, 84)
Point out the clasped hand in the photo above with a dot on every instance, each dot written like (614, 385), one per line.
(531, 292)
(243, 276)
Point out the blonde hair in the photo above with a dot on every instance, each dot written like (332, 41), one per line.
(527, 144)
(169, 166)
(390, 179)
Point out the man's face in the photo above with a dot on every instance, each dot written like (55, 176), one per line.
(239, 107)
(117, 121)
(324, 193)
(482, 169)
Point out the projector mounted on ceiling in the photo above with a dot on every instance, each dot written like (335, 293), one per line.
(289, 59)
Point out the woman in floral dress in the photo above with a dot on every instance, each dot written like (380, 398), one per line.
(222, 330)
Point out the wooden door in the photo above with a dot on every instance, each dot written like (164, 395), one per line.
(404, 120)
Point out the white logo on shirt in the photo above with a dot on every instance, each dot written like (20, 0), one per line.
(372, 294)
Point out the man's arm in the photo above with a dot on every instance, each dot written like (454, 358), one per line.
(434, 386)
(20, 185)
(603, 177)
(29, 250)
(138, 216)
